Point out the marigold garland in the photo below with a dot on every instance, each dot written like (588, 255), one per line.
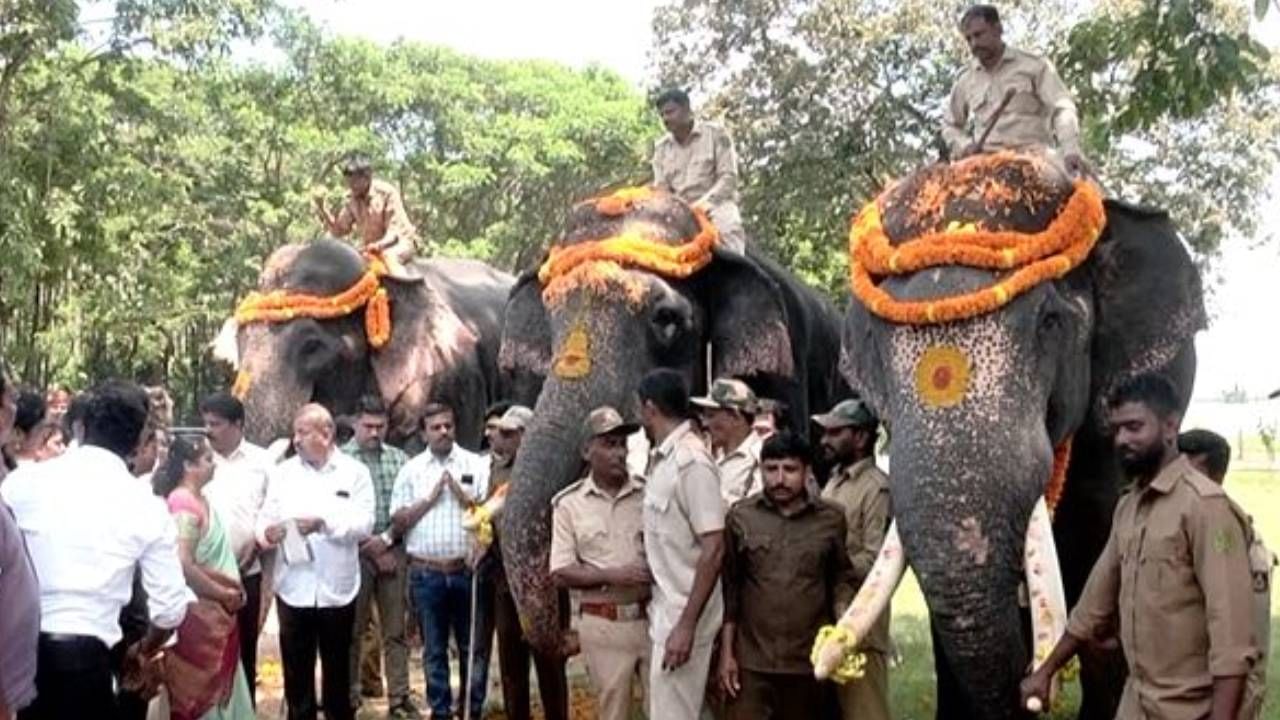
(1033, 258)
(622, 201)
(1058, 480)
(852, 663)
(367, 292)
(628, 249)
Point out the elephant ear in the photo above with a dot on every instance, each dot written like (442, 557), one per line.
(526, 330)
(428, 339)
(859, 356)
(1148, 297)
(748, 320)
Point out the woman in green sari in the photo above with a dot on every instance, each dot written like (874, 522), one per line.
(202, 673)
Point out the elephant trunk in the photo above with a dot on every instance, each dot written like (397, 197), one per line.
(273, 392)
(963, 524)
(550, 458)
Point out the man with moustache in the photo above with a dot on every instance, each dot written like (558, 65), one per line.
(786, 572)
(696, 161)
(1174, 575)
(598, 553)
(849, 434)
(1040, 108)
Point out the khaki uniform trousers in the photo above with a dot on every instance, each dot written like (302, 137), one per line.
(617, 654)
(678, 694)
(867, 698)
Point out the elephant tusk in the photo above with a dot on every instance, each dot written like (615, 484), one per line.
(873, 597)
(1044, 587)
(224, 346)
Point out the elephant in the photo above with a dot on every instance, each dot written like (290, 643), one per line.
(443, 343)
(977, 404)
(637, 283)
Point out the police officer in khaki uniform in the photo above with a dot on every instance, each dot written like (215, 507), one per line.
(696, 161)
(1039, 110)
(1210, 453)
(1174, 575)
(849, 435)
(684, 544)
(728, 412)
(597, 551)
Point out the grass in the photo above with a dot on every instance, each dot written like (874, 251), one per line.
(911, 683)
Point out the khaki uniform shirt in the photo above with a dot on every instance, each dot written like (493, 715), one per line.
(378, 215)
(681, 502)
(783, 579)
(591, 527)
(703, 170)
(740, 470)
(1174, 576)
(1041, 107)
(1262, 563)
(862, 490)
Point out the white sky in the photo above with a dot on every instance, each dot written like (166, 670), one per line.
(1240, 347)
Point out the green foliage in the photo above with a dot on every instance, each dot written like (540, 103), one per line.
(830, 99)
(142, 189)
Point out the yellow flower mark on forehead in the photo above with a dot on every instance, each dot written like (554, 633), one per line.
(241, 386)
(573, 362)
(942, 376)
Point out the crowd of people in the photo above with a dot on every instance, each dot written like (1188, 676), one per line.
(695, 577)
(699, 554)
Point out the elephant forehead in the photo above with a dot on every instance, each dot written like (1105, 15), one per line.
(968, 367)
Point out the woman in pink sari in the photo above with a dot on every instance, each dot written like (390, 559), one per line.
(202, 672)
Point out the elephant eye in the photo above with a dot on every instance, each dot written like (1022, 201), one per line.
(667, 323)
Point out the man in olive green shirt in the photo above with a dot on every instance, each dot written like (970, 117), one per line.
(849, 434)
(1174, 575)
(1039, 110)
(696, 161)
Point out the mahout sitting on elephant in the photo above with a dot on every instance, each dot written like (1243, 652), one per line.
(328, 325)
(995, 305)
(637, 282)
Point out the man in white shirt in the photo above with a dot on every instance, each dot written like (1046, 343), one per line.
(88, 524)
(319, 506)
(430, 495)
(236, 492)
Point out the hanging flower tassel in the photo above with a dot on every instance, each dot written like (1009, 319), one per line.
(377, 319)
(1058, 481)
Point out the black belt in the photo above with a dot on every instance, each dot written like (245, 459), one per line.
(65, 639)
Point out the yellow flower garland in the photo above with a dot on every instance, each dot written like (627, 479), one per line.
(597, 262)
(367, 292)
(1033, 258)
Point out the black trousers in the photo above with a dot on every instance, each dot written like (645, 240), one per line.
(303, 632)
(513, 660)
(247, 620)
(73, 680)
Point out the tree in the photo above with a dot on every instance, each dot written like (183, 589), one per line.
(830, 99)
(147, 176)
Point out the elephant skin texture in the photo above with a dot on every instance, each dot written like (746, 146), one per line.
(443, 346)
(760, 323)
(967, 468)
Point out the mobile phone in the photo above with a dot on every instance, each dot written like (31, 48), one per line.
(468, 479)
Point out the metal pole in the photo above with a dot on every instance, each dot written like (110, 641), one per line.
(471, 645)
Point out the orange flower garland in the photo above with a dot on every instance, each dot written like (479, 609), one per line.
(622, 201)
(367, 292)
(573, 265)
(1058, 480)
(1034, 258)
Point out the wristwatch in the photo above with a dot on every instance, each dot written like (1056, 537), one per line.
(388, 538)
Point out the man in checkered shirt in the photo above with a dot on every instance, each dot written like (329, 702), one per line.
(427, 504)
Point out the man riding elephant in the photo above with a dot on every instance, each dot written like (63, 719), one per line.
(375, 211)
(996, 303)
(1009, 99)
(637, 282)
(696, 162)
